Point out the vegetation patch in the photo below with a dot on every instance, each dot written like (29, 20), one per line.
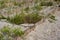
(46, 3)
(23, 18)
(33, 18)
(51, 18)
(2, 4)
(7, 33)
(16, 19)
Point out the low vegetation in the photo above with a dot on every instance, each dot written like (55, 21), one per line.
(33, 18)
(51, 18)
(37, 7)
(46, 3)
(17, 19)
(7, 33)
(2, 4)
(56, 0)
(2, 17)
(28, 18)
(23, 18)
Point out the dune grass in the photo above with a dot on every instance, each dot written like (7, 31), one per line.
(23, 18)
(16, 19)
(8, 33)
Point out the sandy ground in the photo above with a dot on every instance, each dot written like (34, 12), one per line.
(46, 30)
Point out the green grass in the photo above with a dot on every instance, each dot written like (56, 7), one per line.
(51, 17)
(17, 19)
(18, 32)
(22, 18)
(2, 17)
(46, 3)
(2, 4)
(5, 30)
(33, 18)
(8, 33)
(19, 3)
(1, 36)
(27, 9)
(37, 7)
